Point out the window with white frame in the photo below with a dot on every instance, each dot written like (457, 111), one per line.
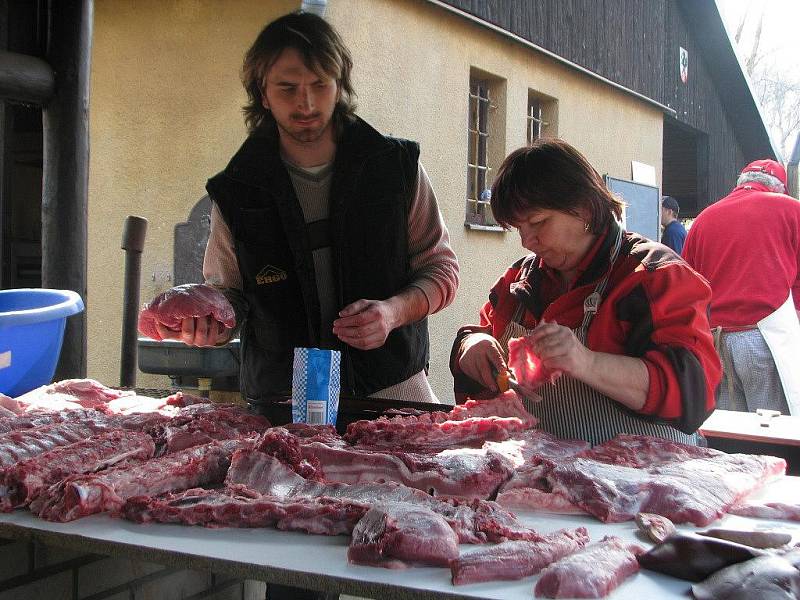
(485, 146)
(542, 116)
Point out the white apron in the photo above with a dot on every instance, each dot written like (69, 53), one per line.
(781, 331)
(571, 409)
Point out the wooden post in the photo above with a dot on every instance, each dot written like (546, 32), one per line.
(66, 170)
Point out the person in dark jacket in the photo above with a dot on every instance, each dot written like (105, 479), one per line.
(622, 318)
(674, 234)
(324, 233)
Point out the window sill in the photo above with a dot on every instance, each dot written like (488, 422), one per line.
(477, 227)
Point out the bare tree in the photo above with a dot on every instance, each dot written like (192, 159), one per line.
(775, 90)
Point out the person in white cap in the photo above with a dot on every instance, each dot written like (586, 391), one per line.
(748, 247)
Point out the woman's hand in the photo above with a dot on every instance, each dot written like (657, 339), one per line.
(560, 350)
(480, 358)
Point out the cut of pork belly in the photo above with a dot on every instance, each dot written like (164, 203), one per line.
(474, 521)
(189, 300)
(516, 559)
(82, 495)
(397, 535)
(226, 508)
(697, 491)
(526, 366)
(463, 472)
(22, 483)
(593, 572)
(524, 446)
(27, 443)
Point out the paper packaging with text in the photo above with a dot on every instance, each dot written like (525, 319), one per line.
(315, 386)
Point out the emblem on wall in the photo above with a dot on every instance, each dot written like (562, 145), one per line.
(684, 63)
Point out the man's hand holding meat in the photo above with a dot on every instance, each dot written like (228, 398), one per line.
(197, 331)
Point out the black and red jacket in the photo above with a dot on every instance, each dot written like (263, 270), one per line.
(655, 308)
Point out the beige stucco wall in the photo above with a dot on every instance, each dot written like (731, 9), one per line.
(165, 115)
(412, 64)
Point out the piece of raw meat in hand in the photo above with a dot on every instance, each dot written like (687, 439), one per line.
(526, 366)
(186, 301)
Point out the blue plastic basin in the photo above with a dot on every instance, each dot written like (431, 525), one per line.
(32, 325)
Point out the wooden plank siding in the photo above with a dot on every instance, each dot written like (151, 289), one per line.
(634, 43)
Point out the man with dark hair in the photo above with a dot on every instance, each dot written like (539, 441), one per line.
(747, 246)
(324, 233)
(674, 233)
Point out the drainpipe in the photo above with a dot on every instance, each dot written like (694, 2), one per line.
(314, 6)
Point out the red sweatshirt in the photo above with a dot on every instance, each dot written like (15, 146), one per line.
(655, 308)
(748, 247)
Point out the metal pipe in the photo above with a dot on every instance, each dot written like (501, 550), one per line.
(65, 178)
(793, 170)
(133, 236)
(25, 78)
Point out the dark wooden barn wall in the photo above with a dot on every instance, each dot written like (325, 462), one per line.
(634, 43)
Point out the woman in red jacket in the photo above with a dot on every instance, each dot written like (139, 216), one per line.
(623, 318)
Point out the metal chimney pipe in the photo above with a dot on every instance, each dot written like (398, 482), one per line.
(133, 234)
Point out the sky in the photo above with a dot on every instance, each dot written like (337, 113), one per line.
(780, 37)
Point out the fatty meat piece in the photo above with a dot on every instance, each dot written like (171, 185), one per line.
(181, 302)
(66, 394)
(594, 572)
(474, 521)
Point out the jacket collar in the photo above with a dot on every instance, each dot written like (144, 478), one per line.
(259, 156)
(526, 288)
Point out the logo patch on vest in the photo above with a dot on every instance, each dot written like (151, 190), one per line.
(270, 274)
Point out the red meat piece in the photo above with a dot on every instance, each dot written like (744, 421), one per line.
(185, 301)
(526, 366)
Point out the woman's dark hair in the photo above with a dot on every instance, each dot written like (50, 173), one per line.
(551, 174)
(323, 52)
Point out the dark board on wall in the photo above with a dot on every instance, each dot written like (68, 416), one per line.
(643, 206)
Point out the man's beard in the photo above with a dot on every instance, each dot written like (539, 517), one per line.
(305, 136)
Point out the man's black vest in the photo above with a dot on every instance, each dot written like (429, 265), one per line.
(374, 178)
